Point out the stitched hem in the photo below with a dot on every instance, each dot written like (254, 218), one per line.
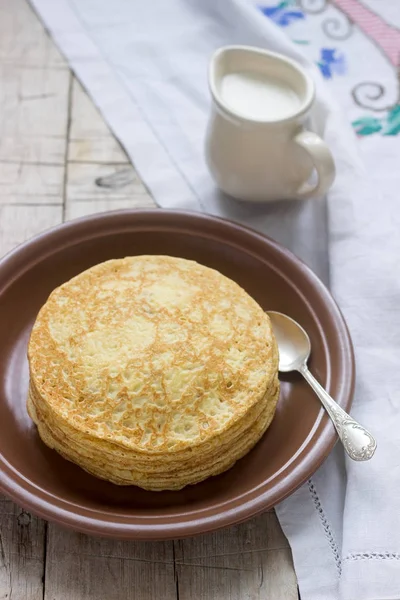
(326, 526)
(373, 556)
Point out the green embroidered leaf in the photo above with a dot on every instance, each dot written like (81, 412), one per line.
(303, 42)
(284, 4)
(367, 125)
(392, 126)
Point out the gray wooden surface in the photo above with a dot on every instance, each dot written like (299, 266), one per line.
(58, 161)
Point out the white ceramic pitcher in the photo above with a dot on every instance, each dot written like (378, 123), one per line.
(263, 155)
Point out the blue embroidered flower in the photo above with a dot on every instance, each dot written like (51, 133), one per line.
(331, 63)
(280, 13)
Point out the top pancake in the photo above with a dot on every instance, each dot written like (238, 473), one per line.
(153, 353)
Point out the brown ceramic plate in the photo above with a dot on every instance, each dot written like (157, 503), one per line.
(299, 439)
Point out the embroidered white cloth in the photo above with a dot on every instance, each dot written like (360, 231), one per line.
(144, 63)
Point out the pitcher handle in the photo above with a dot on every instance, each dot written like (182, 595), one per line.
(323, 162)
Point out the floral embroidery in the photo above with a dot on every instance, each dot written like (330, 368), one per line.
(388, 125)
(282, 14)
(331, 63)
(393, 121)
(367, 125)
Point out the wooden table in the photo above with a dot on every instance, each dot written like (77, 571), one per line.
(59, 161)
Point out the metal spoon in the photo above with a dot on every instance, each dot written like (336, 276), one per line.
(294, 351)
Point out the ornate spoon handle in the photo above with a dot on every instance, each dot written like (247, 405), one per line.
(357, 441)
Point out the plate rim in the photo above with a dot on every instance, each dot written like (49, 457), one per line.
(21, 490)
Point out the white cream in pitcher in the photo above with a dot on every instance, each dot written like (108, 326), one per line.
(258, 96)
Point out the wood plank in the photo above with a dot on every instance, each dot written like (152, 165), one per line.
(90, 138)
(93, 188)
(33, 108)
(251, 561)
(21, 553)
(22, 536)
(25, 183)
(33, 117)
(87, 568)
(21, 222)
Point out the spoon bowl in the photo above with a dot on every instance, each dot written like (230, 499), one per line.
(293, 342)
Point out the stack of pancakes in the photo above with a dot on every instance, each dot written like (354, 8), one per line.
(152, 371)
